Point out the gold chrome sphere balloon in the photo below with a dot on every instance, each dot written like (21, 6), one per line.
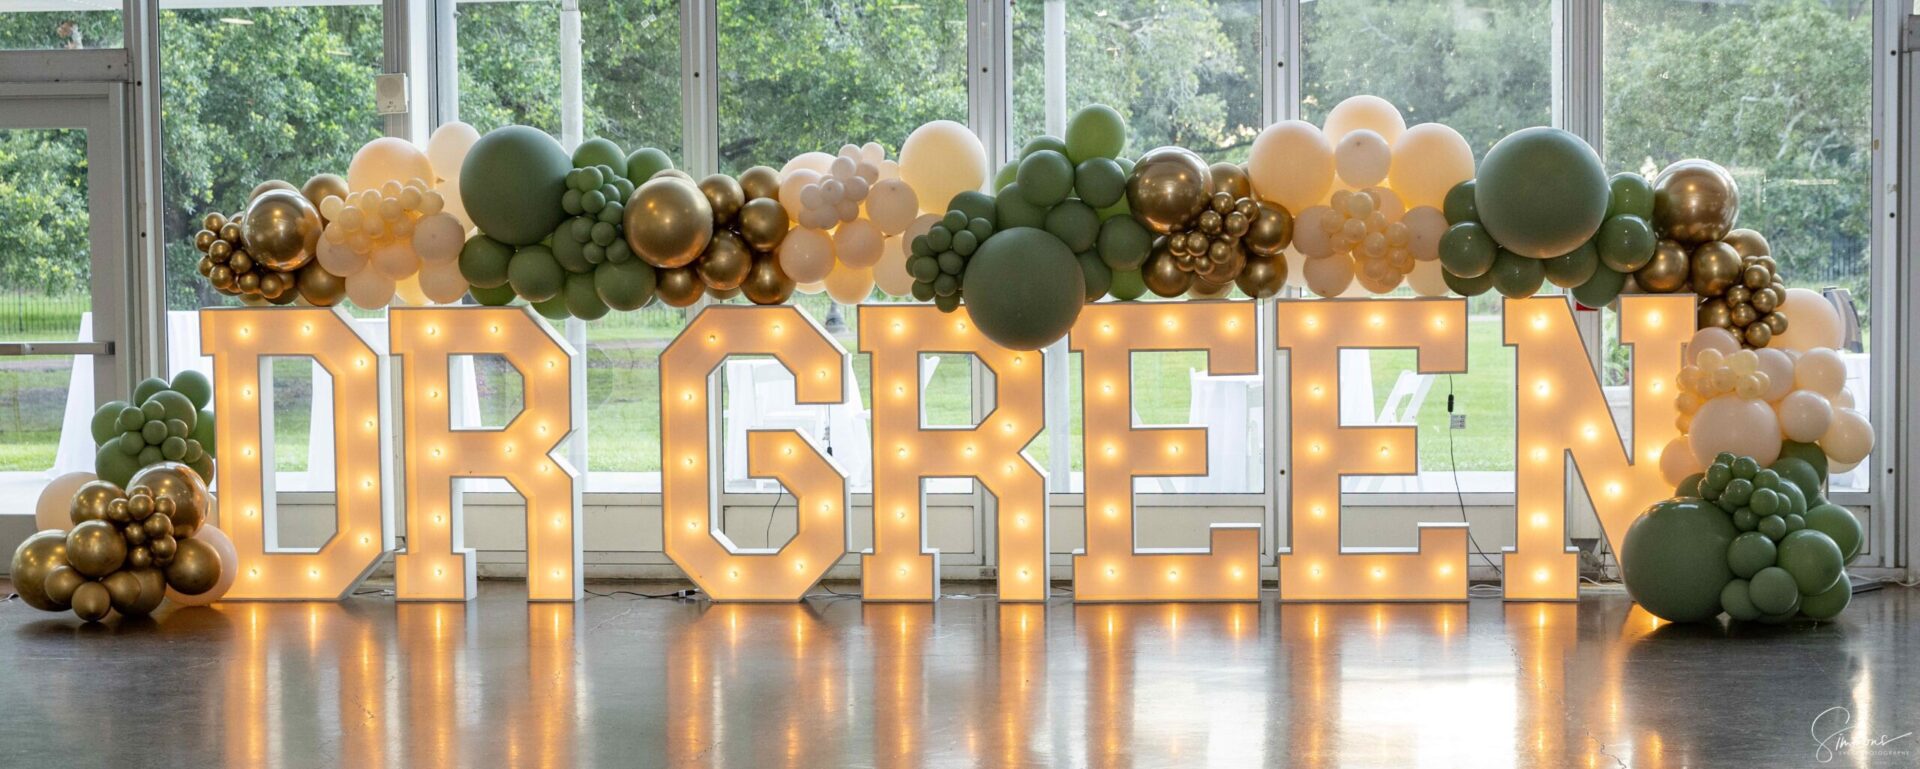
(96, 549)
(180, 484)
(763, 223)
(725, 196)
(669, 222)
(1269, 230)
(34, 561)
(766, 283)
(1667, 272)
(1748, 243)
(725, 264)
(678, 286)
(1169, 186)
(1714, 269)
(195, 567)
(1232, 179)
(322, 186)
(1695, 201)
(760, 182)
(282, 229)
(91, 602)
(1263, 276)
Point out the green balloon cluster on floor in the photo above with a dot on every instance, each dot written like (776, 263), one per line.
(1786, 557)
(171, 423)
(582, 266)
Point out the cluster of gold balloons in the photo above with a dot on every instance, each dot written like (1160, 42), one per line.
(1695, 205)
(716, 236)
(126, 548)
(266, 254)
(231, 268)
(1213, 234)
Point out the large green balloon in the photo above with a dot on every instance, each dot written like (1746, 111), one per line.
(1124, 243)
(1799, 473)
(1096, 131)
(1045, 178)
(1541, 192)
(1813, 559)
(1829, 604)
(1811, 454)
(115, 466)
(1004, 177)
(1467, 251)
(624, 285)
(511, 184)
(1516, 276)
(1630, 195)
(1749, 553)
(974, 203)
(1601, 289)
(195, 386)
(1043, 142)
(1098, 275)
(1736, 600)
(498, 296)
(535, 275)
(204, 432)
(1626, 242)
(1011, 210)
(1839, 524)
(583, 300)
(1128, 285)
(1674, 559)
(1075, 224)
(644, 163)
(147, 388)
(1773, 591)
(1024, 288)
(1458, 206)
(1575, 267)
(1100, 182)
(600, 151)
(106, 422)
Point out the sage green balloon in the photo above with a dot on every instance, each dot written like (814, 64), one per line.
(1098, 276)
(535, 275)
(1829, 604)
(1128, 285)
(1045, 178)
(973, 203)
(1689, 486)
(1458, 206)
(599, 151)
(1043, 142)
(1674, 559)
(1749, 553)
(1075, 224)
(624, 285)
(1626, 242)
(195, 386)
(204, 431)
(1024, 288)
(644, 163)
(583, 299)
(1811, 454)
(115, 466)
(175, 405)
(1774, 591)
(1736, 599)
(1011, 210)
(511, 184)
(552, 309)
(1467, 250)
(1840, 525)
(1005, 176)
(483, 262)
(1629, 194)
(1100, 182)
(1813, 559)
(1601, 289)
(1468, 286)
(1124, 244)
(1541, 192)
(498, 296)
(1792, 501)
(147, 388)
(1798, 472)
(1516, 276)
(105, 425)
(1573, 268)
(1096, 131)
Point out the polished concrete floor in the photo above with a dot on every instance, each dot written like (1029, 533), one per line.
(626, 681)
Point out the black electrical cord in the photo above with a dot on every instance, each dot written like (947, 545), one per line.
(1459, 496)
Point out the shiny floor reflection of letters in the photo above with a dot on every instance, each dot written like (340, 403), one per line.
(832, 682)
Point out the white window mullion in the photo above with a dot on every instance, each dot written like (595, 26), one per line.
(700, 86)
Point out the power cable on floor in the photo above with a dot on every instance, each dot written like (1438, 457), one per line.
(1453, 467)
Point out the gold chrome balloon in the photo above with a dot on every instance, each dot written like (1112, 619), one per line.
(1270, 230)
(1263, 276)
(1695, 201)
(153, 590)
(1231, 179)
(321, 186)
(91, 602)
(319, 287)
(282, 229)
(669, 222)
(763, 223)
(1164, 277)
(1667, 272)
(90, 502)
(1714, 269)
(766, 283)
(1202, 289)
(671, 173)
(123, 590)
(35, 559)
(725, 196)
(1748, 243)
(1715, 313)
(725, 264)
(678, 286)
(760, 182)
(1776, 322)
(270, 185)
(1757, 335)
(96, 549)
(61, 582)
(1169, 186)
(195, 568)
(179, 483)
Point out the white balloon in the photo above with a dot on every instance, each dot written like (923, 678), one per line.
(54, 508)
(890, 273)
(1365, 112)
(1677, 462)
(395, 259)
(447, 149)
(339, 258)
(1747, 427)
(1820, 370)
(1811, 322)
(1428, 279)
(1362, 158)
(892, 205)
(408, 292)
(1328, 276)
(791, 187)
(806, 255)
(369, 289)
(1805, 415)
(386, 159)
(1388, 203)
(817, 162)
(1711, 338)
(442, 282)
(858, 244)
(1849, 439)
(229, 569)
(1425, 226)
(811, 288)
(872, 152)
(940, 160)
(1779, 370)
(1308, 237)
(1291, 163)
(438, 238)
(850, 285)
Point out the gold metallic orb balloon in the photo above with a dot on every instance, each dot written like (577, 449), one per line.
(153, 590)
(1263, 276)
(1204, 290)
(270, 185)
(669, 222)
(1715, 313)
(763, 223)
(1164, 277)
(91, 602)
(1742, 314)
(91, 500)
(319, 287)
(1695, 201)
(1169, 186)
(96, 549)
(321, 186)
(34, 560)
(1231, 179)
(725, 264)
(214, 221)
(1222, 272)
(123, 590)
(722, 294)
(1758, 335)
(61, 582)
(163, 549)
(1765, 300)
(204, 240)
(282, 229)
(678, 286)
(766, 283)
(1748, 242)
(1776, 322)
(195, 568)
(1668, 271)
(179, 483)
(760, 182)
(671, 173)
(139, 557)
(1714, 269)
(725, 196)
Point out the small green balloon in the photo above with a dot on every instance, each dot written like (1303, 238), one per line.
(1829, 604)
(105, 425)
(1773, 526)
(552, 309)
(173, 448)
(1458, 206)
(1792, 502)
(535, 275)
(151, 456)
(1840, 525)
(1813, 559)
(1045, 178)
(1573, 268)
(147, 388)
(1765, 502)
(1689, 486)
(1124, 244)
(483, 262)
(1811, 454)
(1024, 288)
(1075, 224)
(1043, 142)
(1745, 520)
(1516, 276)
(583, 300)
(1098, 276)
(1011, 210)
(1096, 131)
(1749, 553)
(1468, 286)
(152, 411)
(624, 285)
(1799, 473)
(599, 151)
(130, 443)
(1626, 242)
(1629, 194)
(1100, 182)
(177, 428)
(644, 163)
(1128, 285)
(1601, 289)
(204, 431)
(154, 432)
(1467, 251)
(497, 296)
(1674, 559)
(130, 419)
(174, 405)
(1737, 601)
(115, 466)
(975, 204)
(1005, 176)
(1773, 591)
(195, 386)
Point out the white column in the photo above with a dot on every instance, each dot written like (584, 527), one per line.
(572, 105)
(1055, 72)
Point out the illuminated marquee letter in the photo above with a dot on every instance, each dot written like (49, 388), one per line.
(689, 482)
(1561, 411)
(901, 567)
(437, 566)
(240, 339)
(1316, 568)
(1111, 568)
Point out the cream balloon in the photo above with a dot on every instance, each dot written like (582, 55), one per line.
(806, 255)
(442, 282)
(1364, 112)
(811, 288)
(1849, 439)
(892, 205)
(229, 569)
(940, 160)
(336, 256)
(790, 187)
(1425, 226)
(1743, 426)
(850, 285)
(1778, 367)
(1428, 279)
(1811, 322)
(890, 273)
(437, 239)
(1310, 238)
(395, 260)
(1428, 160)
(54, 508)
(1677, 462)
(1291, 164)
(1805, 415)
(858, 244)
(408, 291)
(447, 151)
(369, 289)
(1329, 276)
(1711, 338)
(1820, 370)
(1362, 158)
(387, 159)
(818, 162)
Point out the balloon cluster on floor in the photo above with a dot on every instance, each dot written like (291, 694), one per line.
(1756, 541)
(125, 548)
